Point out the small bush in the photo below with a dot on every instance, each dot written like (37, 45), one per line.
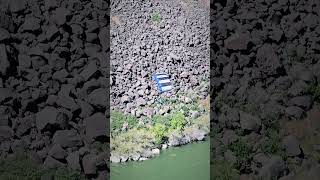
(159, 119)
(118, 118)
(222, 170)
(272, 145)
(22, 167)
(203, 122)
(156, 17)
(177, 121)
(241, 149)
(314, 89)
(159, 131)
(131, 142)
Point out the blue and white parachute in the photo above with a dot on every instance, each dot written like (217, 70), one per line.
(163, 82)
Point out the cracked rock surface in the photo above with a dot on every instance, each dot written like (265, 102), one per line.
(265, 87)
(54, 82)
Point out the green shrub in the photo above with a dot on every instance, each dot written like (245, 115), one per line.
(159, 131)
(222, 170)
(22, 167)
(314, 89)
(177, 121)
(159, 119)
(118, 118)
(272, 145)
(156, 17)
(203, 122)
(131, 142)
(241, 149)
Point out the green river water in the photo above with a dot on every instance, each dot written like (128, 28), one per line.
(188, 162)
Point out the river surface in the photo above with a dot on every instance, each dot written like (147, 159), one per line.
(188, 162)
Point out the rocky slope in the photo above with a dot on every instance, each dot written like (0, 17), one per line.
(265, 84)
(54, 82)
(147, 37)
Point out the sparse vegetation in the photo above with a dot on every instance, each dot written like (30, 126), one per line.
(131, 142)
(22, 167)
(314, 90)
(222, 170)
(159, 131)
(136, 139)
(156, 17)
(118, 119)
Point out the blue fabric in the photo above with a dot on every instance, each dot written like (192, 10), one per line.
(161, 86)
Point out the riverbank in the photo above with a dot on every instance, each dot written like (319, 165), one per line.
(134, 139)
(188, 162)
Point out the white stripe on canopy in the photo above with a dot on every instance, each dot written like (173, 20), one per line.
(161, 76)
(166, 88)
(164, 81)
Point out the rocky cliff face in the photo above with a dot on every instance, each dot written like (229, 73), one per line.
(54, 82)
(157, 36)
(265, 59)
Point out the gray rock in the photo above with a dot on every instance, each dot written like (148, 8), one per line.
(141, 101)
(291, 145)
(31, 24)
(24, 126)
(273, 169)
(99, 98)
(67, 138)
(135, 157)
(294, 111)
(249, 122)
(97, 126)
(46, 116)
(237, 41)
(89, 164)
(89, 70)
(115, 159)
(73, 161)
(4, 62)
(4, 34)
(230, 157)
(51, 163)
(5, 133)
(57, 152)
(156, 151)
(304, 102)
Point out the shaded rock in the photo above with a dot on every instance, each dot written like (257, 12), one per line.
(237, 41)
(97, 126)
(249, 122)
(5, 133)
(67, 138)
(51, 163)
(304, 102)
(294, 111)
(49, 116)
(89, 164)
(24, 126)
(4, 34)
(31, 24)
(73, 161)
(60, 15)
(98, 98)
(291, 145)
(90, 70)
(273, 169)
(57, 152)
(4, 62)
(5, 94)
